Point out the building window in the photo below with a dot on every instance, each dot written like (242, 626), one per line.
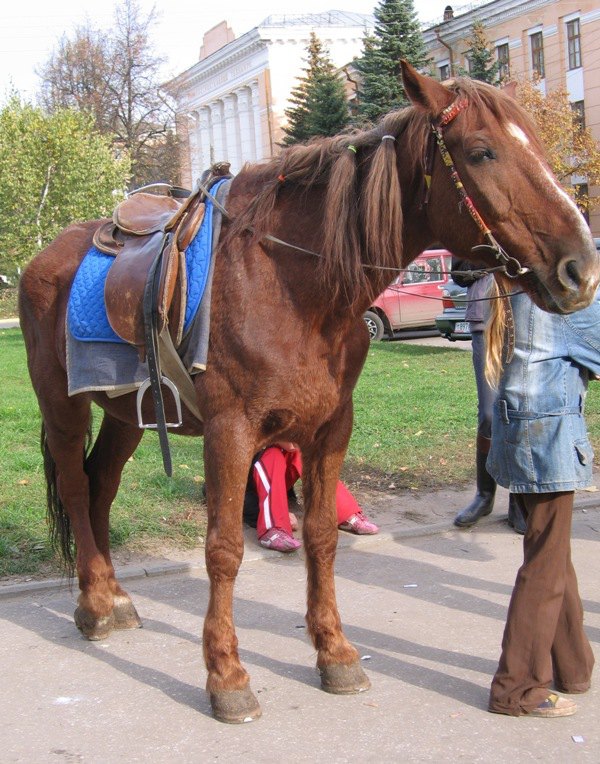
(579, 114)
(502, 56)
(444, 72)
(537, 54)
(574, 44)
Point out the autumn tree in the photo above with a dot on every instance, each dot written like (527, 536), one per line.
(55, 169)
(114, 75)
(572, 150)
(78, 75)
(319, 102)
(397, 35)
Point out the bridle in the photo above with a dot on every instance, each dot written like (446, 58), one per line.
(511, 266)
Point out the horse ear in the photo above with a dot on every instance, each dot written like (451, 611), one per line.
(510, 89)
(425, 92)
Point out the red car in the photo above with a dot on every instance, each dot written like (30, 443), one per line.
(413, 299)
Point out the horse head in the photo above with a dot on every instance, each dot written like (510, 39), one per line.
(511, 209)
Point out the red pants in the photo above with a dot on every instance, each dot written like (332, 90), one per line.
(274, 474)
(544, 643)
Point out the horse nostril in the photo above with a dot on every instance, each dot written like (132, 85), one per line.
(568, 274)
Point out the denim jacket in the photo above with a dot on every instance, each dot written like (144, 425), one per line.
(539, 436)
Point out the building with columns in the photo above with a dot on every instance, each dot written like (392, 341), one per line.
(555, 39)
(231, 103)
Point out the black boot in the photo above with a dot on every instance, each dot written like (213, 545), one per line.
(515, 517)
(483, 502)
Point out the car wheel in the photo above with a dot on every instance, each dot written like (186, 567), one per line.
(374, 325)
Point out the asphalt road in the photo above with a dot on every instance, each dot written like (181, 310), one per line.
(425, 606)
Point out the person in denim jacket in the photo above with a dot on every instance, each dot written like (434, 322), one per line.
(478, 286)
(541, 452)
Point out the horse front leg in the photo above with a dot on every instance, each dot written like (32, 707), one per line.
(227, 458)
(337, 660)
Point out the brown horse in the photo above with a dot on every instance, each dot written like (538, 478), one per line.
(288, 340)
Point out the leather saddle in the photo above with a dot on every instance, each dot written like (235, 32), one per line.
(146, 286)
(148, 231)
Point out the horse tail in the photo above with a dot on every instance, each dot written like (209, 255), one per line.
(59, 525)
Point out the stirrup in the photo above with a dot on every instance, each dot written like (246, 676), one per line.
(140, 395)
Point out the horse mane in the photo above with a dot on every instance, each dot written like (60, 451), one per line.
(363, 218)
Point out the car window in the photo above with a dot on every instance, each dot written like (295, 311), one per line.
(436, 266)
(425, 269)
(415, 274)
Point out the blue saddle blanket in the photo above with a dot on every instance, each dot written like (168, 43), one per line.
(86, 316)
(97, 359)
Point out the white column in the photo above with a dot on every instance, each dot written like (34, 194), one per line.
(193, 142)
(218, 138)
(247, 137)
(256, 119)
(205, 147)
(232, 153)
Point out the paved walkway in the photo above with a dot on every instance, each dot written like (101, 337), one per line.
(423, 602)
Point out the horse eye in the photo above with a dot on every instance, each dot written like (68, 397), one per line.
(481, 155)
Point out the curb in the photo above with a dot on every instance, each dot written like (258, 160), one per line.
(255, 553)
(251, 554)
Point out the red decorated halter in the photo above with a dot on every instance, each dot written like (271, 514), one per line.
(512, 267)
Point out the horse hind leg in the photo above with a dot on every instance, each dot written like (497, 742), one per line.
(80, 493)
(115, 443)
(64, 434)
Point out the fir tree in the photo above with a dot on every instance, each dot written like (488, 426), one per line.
(320, 106)
(481, 56)
(397, 35)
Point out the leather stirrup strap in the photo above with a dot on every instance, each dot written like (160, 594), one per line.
(150, 309)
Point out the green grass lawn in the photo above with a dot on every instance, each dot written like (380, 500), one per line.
(414, 429)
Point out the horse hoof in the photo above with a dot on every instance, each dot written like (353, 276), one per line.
(344, 680)
(94, 628)
(235, 706)
(126, 616)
